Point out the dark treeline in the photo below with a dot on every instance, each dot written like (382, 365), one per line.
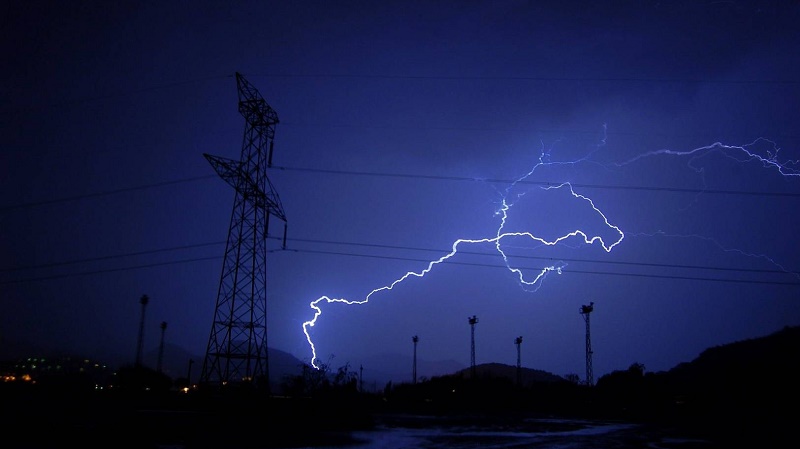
(743, 392)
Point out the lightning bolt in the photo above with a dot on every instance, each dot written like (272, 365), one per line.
(737, 153)
(528, 284)
(721, 247)
(740, 154)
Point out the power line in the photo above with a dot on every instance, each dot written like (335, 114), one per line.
(405, 176)
(410, 259)
(109, 257)
(108, 270)
(566, 270)
(611, 262)
(119, 93)
(339, 253)
(659, 276)
(533, 78)
(105, 193)
(592, 132)
(404, 248)
(539, 183)
(417, 127)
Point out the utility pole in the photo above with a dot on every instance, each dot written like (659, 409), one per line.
(140, 343)
(361, 378)
(189, 373)
(415, 339)
(473, 320)
(237, 351)
(161, 346)
(585, 311)
(518, 342)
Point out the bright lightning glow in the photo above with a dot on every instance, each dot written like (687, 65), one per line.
(531, 284)
(740, 154)
(737, 153)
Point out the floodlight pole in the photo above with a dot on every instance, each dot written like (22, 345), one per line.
(140, 343)
(585, 311)
(473, 320)
(518, 342)
(161, 346)
(415, 339)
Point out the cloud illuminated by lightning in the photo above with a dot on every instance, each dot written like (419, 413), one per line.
(740, 154)
(721, 247)
(743, 153)
(737, 153)
(529, 284)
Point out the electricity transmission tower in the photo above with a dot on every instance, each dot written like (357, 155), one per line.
(585, 311)
(472, 321)
(237, 345)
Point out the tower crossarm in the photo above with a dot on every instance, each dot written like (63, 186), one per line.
(252, 105)
(234, 173)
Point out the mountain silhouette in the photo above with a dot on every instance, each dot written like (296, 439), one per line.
(753, 371)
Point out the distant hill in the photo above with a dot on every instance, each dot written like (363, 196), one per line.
(744, 392)
(749, 367)
(499, 370)
(381, 369)
(747, 383)
(755, 368)
(378, 370)
(176, 361)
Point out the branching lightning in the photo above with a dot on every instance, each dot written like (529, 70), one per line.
(740, 154)
(529, 284)
(721, 247)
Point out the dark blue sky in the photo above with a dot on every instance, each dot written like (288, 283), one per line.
(108, 107)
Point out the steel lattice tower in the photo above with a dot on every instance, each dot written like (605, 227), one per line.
(585, 311)
(237, 346)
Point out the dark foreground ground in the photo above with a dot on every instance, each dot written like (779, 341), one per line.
(37, 419)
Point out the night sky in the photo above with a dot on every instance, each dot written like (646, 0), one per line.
(405, 127)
